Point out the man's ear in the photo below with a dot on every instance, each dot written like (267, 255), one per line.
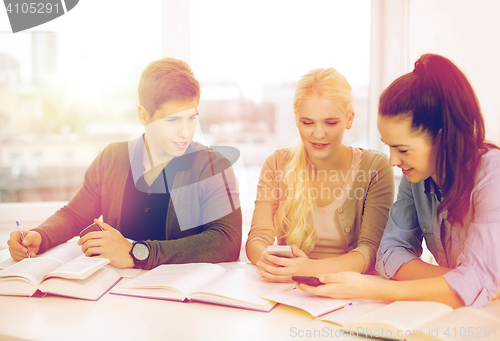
(144, 117)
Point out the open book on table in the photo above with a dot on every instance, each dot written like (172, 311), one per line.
(63, 270)
(404, 320)
(237, 285)
(400, 320)
(314, 305)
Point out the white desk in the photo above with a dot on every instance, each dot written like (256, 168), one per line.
(129, 318)
(116, 317)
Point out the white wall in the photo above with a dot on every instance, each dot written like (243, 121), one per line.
(467, 32)
(388, 57)
(176, 29)
(29, 215)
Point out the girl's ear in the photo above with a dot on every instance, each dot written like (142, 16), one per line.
(437, 139)
(350, 120)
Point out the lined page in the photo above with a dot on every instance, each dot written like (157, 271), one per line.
(350, 313)
(314, 305)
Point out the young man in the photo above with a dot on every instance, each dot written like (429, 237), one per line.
(176, 198)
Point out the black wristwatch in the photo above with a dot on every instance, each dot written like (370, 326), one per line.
(140, 254)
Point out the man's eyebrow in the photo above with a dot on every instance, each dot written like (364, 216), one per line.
(175, 115)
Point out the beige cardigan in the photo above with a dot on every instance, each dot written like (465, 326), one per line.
(362, 217)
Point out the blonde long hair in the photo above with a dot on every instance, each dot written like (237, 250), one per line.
(295, 210)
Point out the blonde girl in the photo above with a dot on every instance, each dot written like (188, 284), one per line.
(327, 200)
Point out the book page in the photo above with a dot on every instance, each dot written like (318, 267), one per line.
(17, 286)
(32, 269)
(314, 305)
(404, 315)
(492, 308)
(243, 284)
(79, 268)
(64, 252)
(185, 278)
(90, 288)
(127, 272)
(6, 263)
(352, 312)
(461, 324)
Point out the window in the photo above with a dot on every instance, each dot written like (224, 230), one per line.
(69, 88)
(248, 56)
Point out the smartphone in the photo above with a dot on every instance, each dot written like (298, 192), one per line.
(312, 281)
(280, 251)
(91, 228)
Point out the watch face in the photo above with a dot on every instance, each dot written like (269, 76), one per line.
(140, 251)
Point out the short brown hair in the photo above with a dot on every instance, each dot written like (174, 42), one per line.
(165, 80)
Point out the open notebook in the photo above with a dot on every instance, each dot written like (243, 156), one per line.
(402, 320)
(63, 270)
(237, 285)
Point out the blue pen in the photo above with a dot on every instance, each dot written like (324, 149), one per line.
(22, 238)
(348, 305)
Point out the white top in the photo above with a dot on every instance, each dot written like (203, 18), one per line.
(330, 237)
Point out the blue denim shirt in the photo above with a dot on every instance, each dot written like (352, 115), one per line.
(471, 250)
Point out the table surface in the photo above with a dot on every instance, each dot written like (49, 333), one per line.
(116, 317)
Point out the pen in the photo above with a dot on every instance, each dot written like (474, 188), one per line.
(22, 238)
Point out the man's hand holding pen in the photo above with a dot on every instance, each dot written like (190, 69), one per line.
(24, 244)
